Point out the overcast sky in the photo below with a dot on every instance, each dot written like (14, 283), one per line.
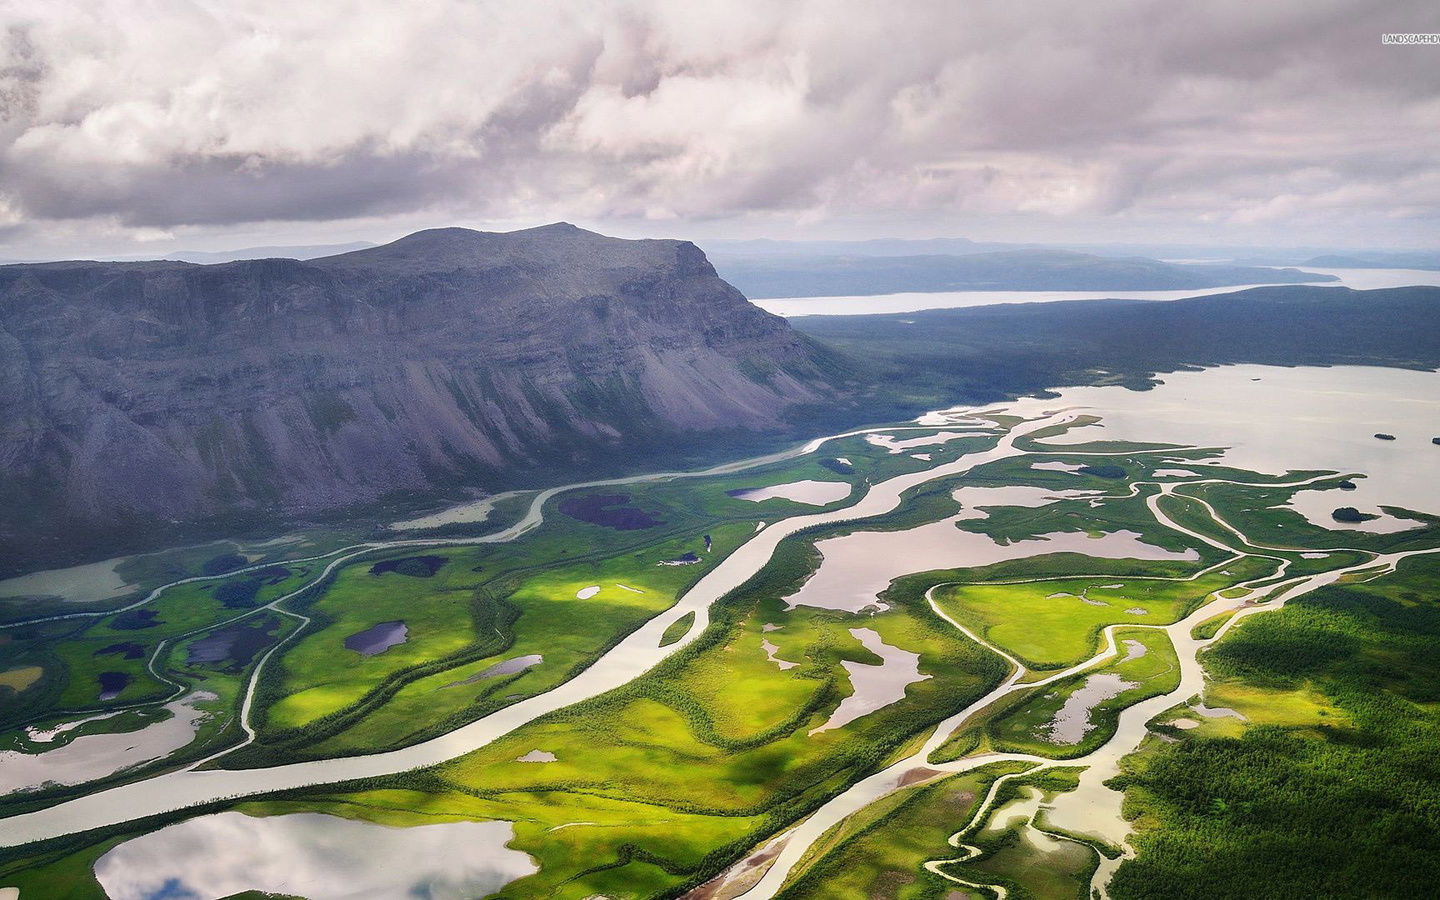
(163, 125)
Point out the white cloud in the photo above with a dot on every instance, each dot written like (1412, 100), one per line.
(169, 115)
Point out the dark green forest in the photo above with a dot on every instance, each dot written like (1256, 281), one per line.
(1337, 812)
(989, 353)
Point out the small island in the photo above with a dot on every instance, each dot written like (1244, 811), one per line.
(1384, 437)
(1351, 514)
(1435, 441)
(1346, 485)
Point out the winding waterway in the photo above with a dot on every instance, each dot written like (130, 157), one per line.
(1091, 809)
(636, 654)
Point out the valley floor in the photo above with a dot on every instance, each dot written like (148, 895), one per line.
(998, 658)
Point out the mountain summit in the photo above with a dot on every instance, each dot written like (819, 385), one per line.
(157, 392)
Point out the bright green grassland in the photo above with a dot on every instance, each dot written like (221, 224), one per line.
(1149, 663)
(1048, 625)
(551, 622)
(714, 742)
(657, 786)
(880, 852)
(1028, 863)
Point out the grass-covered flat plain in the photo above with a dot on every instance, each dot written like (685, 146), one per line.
(1259, 677)
(1054, 623)
(440, 672)
(564, 592)
(1060, 720)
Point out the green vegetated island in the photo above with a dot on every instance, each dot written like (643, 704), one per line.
(939, 739)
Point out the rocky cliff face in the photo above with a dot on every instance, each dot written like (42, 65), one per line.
(134, 392)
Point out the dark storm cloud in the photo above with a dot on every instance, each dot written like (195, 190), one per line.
(164, 114)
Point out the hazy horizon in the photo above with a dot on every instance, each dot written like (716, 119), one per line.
(224, 249)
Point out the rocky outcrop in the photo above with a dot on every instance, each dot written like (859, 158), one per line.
(159, 391)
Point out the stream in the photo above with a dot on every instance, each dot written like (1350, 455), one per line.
(636, 654)
(1091, 810)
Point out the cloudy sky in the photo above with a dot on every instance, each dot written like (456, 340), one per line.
(157, 125)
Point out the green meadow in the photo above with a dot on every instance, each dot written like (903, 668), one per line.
(1055, 623)
(659, 786)
(1146, 663)
(1023, 859)
(660, 782)
(881, 851)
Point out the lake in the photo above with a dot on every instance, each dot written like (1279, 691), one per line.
(317, 856)
(1274, 420)
(1360, 279)
(93, 756)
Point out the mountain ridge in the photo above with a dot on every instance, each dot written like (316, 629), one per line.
(144, 394)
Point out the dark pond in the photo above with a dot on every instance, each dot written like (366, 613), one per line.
(239, 593)
(377, 638)
(609, 510)
(136, 620)
(112, 683)
(130, 649)
(273, 574)
(225, 562)
(235, 644)
(414, 566)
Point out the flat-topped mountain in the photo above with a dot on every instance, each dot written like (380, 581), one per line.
(158, 391)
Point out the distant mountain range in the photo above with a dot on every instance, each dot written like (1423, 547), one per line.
(211, 257)
(142, 403)
(303, 251)
(153, 395)
(872, 247)
(1417, 259)
(1243, 255)
(763, 275)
